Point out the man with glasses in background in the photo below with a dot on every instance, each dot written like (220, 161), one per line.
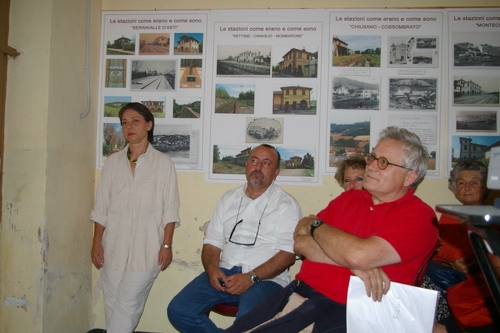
(381, 233)
(252, 227)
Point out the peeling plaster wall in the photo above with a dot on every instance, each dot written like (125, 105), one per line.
(49, 170)
(25, 159)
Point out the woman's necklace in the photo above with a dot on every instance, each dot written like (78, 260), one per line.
(129, 154)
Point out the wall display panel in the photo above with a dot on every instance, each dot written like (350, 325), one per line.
(267, 71)
(318, 84)
(385, 69)
(159, 60)
(473, 84)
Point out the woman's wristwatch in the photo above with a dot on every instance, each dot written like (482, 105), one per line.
(165, 246)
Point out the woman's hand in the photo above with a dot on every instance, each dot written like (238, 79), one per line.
(164, 257)
(97, 254)
(377, 283)
(462, 266)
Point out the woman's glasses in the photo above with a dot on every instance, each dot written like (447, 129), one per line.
(241, 230)
(382, 162)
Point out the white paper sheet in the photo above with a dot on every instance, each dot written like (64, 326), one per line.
(404, 309)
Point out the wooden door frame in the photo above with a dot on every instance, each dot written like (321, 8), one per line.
(4, 57)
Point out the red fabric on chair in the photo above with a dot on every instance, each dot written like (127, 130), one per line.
(468, 302)
(225, 309)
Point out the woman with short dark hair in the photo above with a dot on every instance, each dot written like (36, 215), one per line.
(134, 215)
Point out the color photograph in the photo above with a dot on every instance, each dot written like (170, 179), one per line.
(113, 139)
(191, 71)
(234, 98)
(154, 44)
(120, 44)
(349, 136)
(295, 61)
(294, 100)
(155, 104)
(356, 51)
(186, 107)
(295, 162)
(477, 147)
(113, 104)
(188, 43)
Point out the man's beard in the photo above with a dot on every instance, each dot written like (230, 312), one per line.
(256, 181)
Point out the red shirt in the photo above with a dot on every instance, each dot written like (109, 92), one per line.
(408, 224)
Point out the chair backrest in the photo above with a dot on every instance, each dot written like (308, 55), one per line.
(421, 271)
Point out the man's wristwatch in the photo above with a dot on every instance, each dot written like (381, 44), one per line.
(316, 223)
(254, 278)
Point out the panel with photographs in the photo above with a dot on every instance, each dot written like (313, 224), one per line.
(473, 85)
(385, 71)
(148, 59)
(266, 74)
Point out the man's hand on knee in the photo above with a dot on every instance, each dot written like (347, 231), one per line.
(237, 284)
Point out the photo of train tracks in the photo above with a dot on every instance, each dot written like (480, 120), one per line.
(153, 75)
(476, 90)
(234, 98)
(244, 60)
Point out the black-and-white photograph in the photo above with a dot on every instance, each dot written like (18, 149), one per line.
(426, 43)
(476, 90)
(476, 48)
(413, 51)
(356, 92)
(264, 130)
(477, 121)
(244, 60)
(299, 99)
(153, 75)
(412, 93)
(175, 140)
(295, 61)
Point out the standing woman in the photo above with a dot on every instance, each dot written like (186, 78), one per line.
(134, 215)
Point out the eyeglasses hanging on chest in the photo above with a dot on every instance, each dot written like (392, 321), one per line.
(245, 233)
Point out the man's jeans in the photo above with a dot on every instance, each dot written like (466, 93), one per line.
(187, 310)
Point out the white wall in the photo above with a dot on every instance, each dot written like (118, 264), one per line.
(47, 283)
